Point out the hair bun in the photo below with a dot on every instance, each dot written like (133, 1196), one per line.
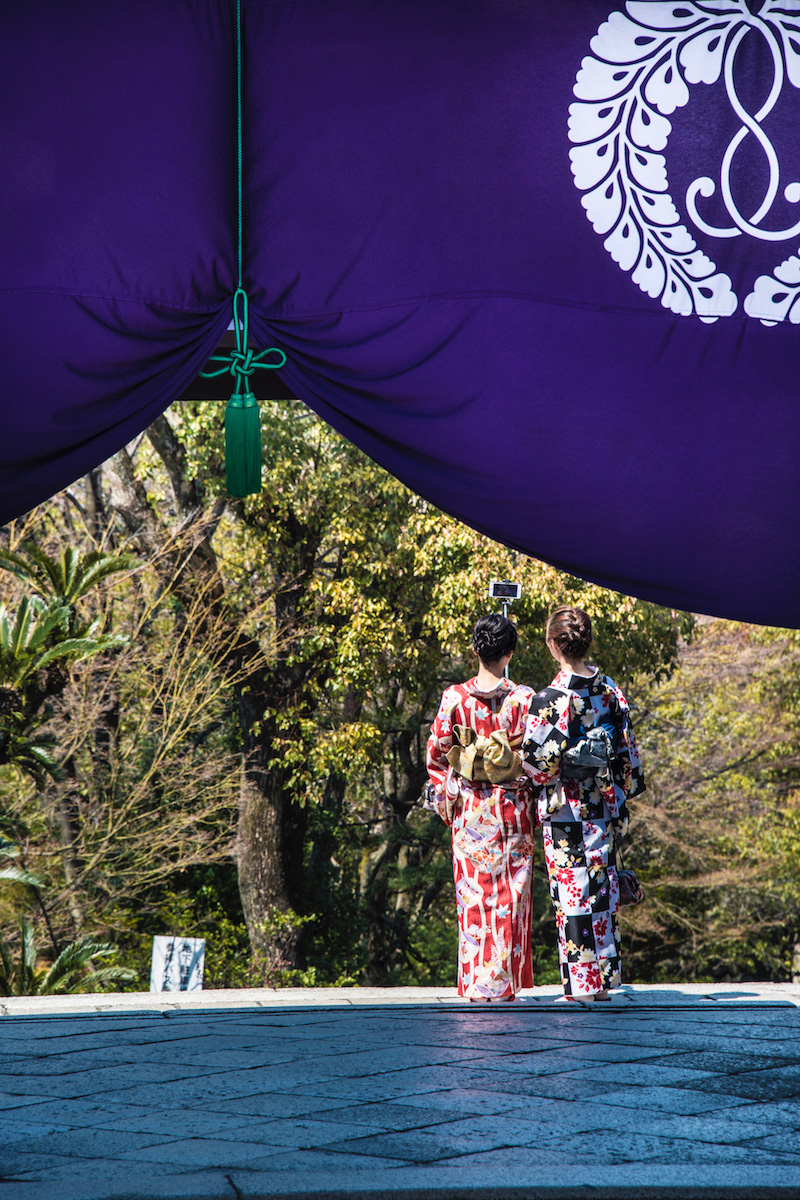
(493, 637)
(571, 630)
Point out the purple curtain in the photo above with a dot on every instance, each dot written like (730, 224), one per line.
(539, 260)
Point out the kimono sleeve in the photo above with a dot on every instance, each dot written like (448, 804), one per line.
(628, 773)
(441, 740)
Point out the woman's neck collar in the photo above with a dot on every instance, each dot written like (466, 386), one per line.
(577, 666)
(486, 681)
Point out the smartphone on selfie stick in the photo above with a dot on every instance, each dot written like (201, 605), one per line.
(507, 592)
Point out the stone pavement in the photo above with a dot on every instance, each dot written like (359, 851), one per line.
(691, 1091)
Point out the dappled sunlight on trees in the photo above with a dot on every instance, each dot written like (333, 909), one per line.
(242, 757)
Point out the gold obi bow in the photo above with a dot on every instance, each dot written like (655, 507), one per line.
(483, 759)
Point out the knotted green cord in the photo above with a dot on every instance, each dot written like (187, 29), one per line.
(242, 416)
(242, 362)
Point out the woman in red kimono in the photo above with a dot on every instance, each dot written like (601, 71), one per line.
(477, 787)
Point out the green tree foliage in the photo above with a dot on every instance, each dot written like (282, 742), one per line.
(39, 641)
(715, 835)
(72, 969)
(260, 730)
(142, 775)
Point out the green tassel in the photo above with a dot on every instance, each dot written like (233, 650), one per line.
(243, 445)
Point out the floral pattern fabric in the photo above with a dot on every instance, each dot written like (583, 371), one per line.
(492, 832)
(582, 819)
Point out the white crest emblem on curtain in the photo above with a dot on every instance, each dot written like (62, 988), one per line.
(642, 64)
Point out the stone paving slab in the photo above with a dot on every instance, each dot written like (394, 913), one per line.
(410, 1093)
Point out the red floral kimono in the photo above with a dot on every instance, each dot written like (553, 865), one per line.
(492, 851)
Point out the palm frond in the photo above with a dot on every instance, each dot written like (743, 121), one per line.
(29, 754)
(69, 576)
(22, 632)
(81, 648)
(21, 629)
(44, 572)
(18, 875)
(74, 958)
(17, 564)
(68, 567)
(51, 617)
(95, 567)
(92, 981)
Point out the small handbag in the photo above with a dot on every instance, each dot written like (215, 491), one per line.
(590, 755)
(630, 890)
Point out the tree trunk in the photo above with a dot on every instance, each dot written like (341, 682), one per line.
(67, 821)
(269, 857)
(270, 838)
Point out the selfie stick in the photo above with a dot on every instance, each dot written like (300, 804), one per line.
(505, 591)
(505, 614)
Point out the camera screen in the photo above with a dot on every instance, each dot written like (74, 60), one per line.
(505, 591)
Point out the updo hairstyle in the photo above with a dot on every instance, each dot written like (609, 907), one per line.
(493, 637)
(571, 630)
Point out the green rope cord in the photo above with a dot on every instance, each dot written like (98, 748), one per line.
(239, 176)
(242, 420)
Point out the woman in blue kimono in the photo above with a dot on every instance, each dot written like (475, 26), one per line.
(580, 749)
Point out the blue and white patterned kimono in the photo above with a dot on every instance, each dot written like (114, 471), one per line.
(582, 819)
